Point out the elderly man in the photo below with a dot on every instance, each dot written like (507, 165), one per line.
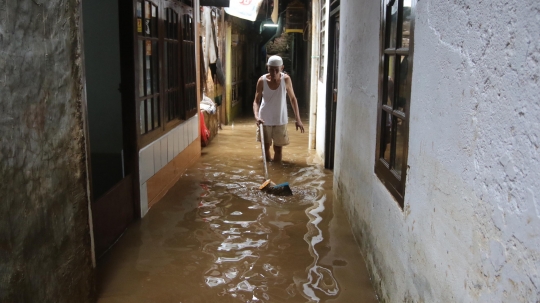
(270, 107)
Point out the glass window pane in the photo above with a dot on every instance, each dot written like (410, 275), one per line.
(156, 112)
(406, 24)
(176, 66)
(178, 106)
(139, 18)
(154, 25)
(167, 106)
(141, 117)
(171, 70)
(392, 14)
(174, 112)
(173, 102)
(166, 55)
(175, 26)
(170, 106)
(148, 73)
(168, 23)
(400, 146)
(148, 114)
(404, 84)
(155, 66)
(139, 9)
(390, 66)
(386, 136)
(147, 19)
(141, 68)
(190, 28)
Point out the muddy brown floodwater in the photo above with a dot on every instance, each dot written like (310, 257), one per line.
(216, 238)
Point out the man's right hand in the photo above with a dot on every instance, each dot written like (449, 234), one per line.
(259, 121)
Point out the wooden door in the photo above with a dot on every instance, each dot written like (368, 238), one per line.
(112, 152)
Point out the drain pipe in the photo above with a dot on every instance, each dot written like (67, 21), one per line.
(315, 53)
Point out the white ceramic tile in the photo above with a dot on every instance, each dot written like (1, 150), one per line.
(164, 151)
(192, 129)
(144, 200)
(157, 156)
(175, 141)
(170, 146)
(180, 134)
(146, 163)
(186, 133)
(189, 131)
(195, 127)
(182, 137)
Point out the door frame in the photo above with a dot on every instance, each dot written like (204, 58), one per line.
(119, 206)
(127, 24)
(331, 89)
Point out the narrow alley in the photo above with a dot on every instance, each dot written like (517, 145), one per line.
(215, 237)
(416, 179)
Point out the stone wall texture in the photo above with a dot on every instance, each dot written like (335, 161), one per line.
(45, 250)
(470, 228)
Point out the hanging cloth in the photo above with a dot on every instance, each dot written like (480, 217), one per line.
(218, 69)
(209, 48)
(245, 9)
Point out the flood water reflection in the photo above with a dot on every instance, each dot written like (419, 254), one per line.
(215, 237)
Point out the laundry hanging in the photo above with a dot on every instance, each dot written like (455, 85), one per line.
(245, 9)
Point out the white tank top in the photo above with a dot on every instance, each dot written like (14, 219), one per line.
(273, 110)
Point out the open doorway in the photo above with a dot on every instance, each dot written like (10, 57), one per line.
(110, 151)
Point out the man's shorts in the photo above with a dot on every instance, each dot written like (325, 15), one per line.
(274, 133)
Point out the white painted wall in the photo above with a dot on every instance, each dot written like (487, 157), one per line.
(321, 93)
(470, 230)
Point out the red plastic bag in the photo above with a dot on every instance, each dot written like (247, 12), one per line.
(205, 133)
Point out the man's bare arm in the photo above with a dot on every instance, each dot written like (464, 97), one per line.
(257, 101)
(294, 103)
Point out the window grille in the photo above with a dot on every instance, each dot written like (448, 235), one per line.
(394, 95)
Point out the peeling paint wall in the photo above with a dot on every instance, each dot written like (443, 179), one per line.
(45, 251)
(470, 229)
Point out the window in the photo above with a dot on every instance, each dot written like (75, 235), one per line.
(172, 64)
(394, 95)
(165, 66)
(322, 37)
(237, 56)
(188, 62)
(148, 57)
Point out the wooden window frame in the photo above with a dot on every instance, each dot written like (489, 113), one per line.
(400, 89)
(171, 62)
(148, 42)
(189, 64)
(183, 60)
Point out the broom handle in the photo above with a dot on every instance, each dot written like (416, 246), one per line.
(261, 132)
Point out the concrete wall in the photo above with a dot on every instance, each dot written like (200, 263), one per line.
(45, 250)
(470, 229)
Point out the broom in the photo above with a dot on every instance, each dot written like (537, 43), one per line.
(268, 186)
